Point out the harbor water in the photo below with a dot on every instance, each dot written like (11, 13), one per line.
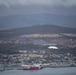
(44, 71)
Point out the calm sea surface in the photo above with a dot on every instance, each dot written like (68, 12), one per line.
(45, 71)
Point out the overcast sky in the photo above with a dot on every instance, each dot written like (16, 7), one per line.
(54, 7)
(66, 7)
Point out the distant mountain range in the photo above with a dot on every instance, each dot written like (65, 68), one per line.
(38, 29)
(25, 20)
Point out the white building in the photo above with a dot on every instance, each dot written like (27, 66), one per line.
(53, 47)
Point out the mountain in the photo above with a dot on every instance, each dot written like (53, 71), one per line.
(38, 29)
(25, 20)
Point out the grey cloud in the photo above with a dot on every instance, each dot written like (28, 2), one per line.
(8, 7)
(65, 3)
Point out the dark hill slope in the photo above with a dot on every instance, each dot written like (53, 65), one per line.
(38, 29)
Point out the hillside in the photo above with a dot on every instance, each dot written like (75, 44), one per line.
(38, 29)
(37, 38)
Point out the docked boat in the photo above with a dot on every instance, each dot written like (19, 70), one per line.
(31, 67)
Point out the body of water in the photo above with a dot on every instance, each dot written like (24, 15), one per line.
(44, 71)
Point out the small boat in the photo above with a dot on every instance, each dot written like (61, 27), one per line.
(31, 67)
